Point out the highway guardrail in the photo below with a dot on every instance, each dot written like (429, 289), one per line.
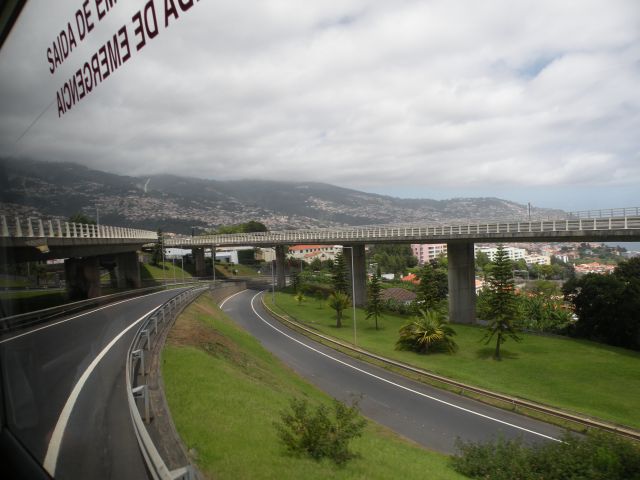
(28, 319)
(138, 390)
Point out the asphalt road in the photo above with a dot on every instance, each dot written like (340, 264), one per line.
(431, 417)
(64, 388)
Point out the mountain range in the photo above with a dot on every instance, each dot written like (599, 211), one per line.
(180, 204)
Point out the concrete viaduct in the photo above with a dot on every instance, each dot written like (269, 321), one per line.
(621, 225)
(85, 248)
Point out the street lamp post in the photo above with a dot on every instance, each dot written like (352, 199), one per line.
(273, 283)
(164, 273)
(353, 294)
(213, 262)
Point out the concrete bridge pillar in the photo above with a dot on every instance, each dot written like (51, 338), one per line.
(82, 276)
(198, 258)
(280, 263)
(462, 282)
(360, 271)
(128, 270)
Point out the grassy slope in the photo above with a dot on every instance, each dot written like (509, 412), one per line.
(227, 270)
(578, 375)
(225, 391)
(148, 271)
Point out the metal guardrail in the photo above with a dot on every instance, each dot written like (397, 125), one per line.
(138, 391)
(30, 227)
(23, 320)
(588, 422)
(409, 233)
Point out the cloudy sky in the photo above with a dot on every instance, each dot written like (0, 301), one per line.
(526, 100)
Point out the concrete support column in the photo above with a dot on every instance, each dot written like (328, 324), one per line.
(198, 258)
(82, 276)
(128, 270)
(280, 261)
(462, 282)
(113, 276)
(360, 271)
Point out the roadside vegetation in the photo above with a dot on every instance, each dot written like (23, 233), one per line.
(225, 393)
(577, 375)
(596, 456)
(162, 272)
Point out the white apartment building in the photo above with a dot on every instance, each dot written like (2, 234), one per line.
(308, 253)
(513, 253)
(426, 252)
(537, 259)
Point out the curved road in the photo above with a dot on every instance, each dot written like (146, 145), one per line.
(426, 415)
(64, 388)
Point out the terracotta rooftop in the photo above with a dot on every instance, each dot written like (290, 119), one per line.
(398, 294)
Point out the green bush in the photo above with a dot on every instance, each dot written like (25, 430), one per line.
(316, 289)
(317, 433)
(596, 456)
(427, 332)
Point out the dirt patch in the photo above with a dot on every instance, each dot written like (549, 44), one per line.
(189, 331)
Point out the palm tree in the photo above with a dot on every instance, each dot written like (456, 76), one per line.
(339, 302)
(427, 332)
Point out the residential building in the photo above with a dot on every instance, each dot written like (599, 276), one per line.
(308, 253)
(513, 253)
(425, 252)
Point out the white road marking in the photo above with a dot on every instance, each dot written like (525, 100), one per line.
(231, 296)
(398, 385)
(51, 458)
(78, 316)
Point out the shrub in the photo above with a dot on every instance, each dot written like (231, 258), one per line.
(317, 433)
(595, 456)
(427, 332)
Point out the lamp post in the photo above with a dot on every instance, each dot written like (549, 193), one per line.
(273, 283)
(173, 262)
(213, 262)
(164, 273)
(353, 294)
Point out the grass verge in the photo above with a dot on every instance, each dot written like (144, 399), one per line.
(576, 375)
(168, 273)
(225, 391)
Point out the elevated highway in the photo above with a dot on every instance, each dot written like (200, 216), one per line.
(622, 225)
(85, 247)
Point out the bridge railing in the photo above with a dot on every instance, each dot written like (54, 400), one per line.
(606, 213)
(604, 221)
(30, 227)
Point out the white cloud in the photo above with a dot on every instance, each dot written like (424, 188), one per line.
(360, 93)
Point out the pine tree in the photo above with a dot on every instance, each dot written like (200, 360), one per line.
(374, 300)
(502, 307)
(340, 277)
(433, 287)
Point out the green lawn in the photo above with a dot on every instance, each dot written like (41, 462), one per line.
(12, 282)
(227, 270)
(151, 272)
(576, 375)
(225, 392)
(15, 302)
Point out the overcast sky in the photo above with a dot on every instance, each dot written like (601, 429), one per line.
(526, 100)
